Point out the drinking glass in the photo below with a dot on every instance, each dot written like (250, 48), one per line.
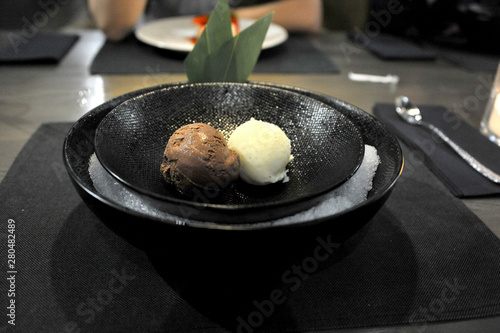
(490, 124)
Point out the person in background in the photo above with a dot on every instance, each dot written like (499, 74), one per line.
(467, 24)
(416, 18)
(117, 18)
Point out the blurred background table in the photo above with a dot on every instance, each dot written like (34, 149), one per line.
(34, 94)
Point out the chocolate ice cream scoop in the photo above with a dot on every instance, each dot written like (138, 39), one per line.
(197, 156)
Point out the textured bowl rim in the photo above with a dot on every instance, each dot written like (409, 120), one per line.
(240, 207)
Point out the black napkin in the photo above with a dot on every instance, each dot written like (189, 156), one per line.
(461, 179)
(390, 47)
(130, 56)
(469, 60)
(423, 258)
(17, 47)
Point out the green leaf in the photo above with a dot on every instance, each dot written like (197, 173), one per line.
(218, 29)
(218, 57)
(217, 32)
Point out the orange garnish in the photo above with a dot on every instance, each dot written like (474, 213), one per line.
(202, 20)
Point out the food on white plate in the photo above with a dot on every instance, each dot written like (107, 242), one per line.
(202, 20)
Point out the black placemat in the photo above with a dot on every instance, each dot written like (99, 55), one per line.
(468, 59)
(423, 258)
(130, 56)
(20, 47)
(461, 179)
(390, 47)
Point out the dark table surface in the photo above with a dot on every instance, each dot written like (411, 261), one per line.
(35, 94)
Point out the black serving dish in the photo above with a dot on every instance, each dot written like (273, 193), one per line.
(327, 147)
(79, 146)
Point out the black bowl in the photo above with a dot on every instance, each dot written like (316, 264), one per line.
(327, 147)
(79, 147)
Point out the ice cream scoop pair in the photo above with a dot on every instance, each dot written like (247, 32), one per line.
(198, 156)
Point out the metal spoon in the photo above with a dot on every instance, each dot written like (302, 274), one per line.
(411, 114)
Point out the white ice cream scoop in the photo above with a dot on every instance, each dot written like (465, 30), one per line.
(264, 151)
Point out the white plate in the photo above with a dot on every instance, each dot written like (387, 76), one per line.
(175, 33)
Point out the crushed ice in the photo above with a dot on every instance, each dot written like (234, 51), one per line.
(349, 194)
